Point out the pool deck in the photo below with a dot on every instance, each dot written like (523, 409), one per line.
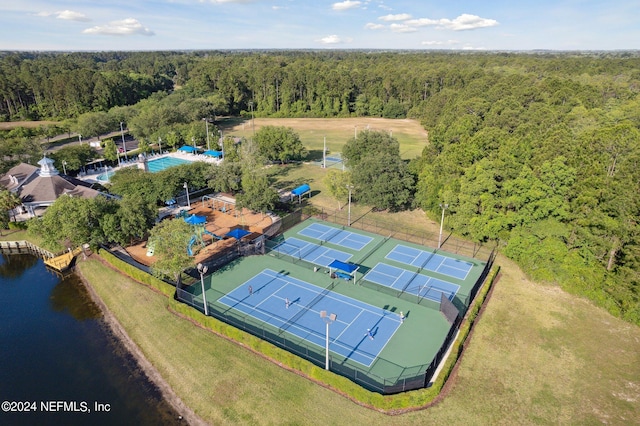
(92, 176)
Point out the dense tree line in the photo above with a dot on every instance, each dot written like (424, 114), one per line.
(545, 162)
(64, 85)
(291, 84)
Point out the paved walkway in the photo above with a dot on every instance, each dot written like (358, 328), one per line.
(123, 255)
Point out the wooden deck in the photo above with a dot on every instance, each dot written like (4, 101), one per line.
(61, 263)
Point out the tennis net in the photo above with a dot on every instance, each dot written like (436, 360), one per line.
(417, 273)
(333, 235)
(307, 308)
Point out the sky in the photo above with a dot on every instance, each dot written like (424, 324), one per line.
(148, 25)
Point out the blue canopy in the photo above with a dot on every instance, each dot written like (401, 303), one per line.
(347, 267)
(212, 153)
(195, 220)
(238, 233)
(302, 189)
(187, 148)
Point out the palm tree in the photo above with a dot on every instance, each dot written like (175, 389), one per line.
(9, 201)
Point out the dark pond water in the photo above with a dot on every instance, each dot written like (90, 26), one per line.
(58, 358)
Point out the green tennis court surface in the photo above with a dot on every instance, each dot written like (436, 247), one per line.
(291, 284)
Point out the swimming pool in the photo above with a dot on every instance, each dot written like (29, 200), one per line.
(155, 166)
(104, 177)
(160, 164)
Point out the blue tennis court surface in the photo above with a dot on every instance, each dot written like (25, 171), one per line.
(438, 263)
(418, 284)
(267, 302)
(311, 252)
(336, 236)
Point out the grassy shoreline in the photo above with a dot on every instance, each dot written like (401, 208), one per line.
(539, 355)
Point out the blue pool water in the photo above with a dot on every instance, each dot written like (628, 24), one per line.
(104, 177)
(164, 163)
(155, 166)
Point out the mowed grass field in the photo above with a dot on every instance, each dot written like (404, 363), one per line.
(312, 131)
(537, 356)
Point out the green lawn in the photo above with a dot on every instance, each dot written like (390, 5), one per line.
(538, 355)
(313, 131)
(21, 235)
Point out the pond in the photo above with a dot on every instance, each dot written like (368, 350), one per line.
(59, 359)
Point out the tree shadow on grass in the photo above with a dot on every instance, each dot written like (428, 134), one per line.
(282, 170)
(314, 155)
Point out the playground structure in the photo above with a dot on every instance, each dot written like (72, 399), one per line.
(221, 203)
(217, 223)
(198, 223)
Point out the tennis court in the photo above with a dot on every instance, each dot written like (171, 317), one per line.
(402, 355)
(430, 261)
(333, 161)
(336, 236)
(415, 283)
(311, 252)
(294, 306)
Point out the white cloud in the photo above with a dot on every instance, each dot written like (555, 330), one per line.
(372, 26)
(330, 39)
(440, 43)
(125, 27)
(422, 22)
(72, 16)
(67, 15)
(347, 4)
(398, 17)
(230, 1)
(402, 28)
(466, 22)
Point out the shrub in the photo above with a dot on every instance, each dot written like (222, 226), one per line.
(137, 274)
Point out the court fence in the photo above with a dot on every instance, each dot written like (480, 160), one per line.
(368, 222)
(407, 378)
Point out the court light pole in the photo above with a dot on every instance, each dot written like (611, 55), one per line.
(328, 319)
(186, 187)
(253, 126)
(324, 154)
(349, 187)
(221, 143)
(124, 145)
(203, 270)
(443, 207)
(206, 125)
